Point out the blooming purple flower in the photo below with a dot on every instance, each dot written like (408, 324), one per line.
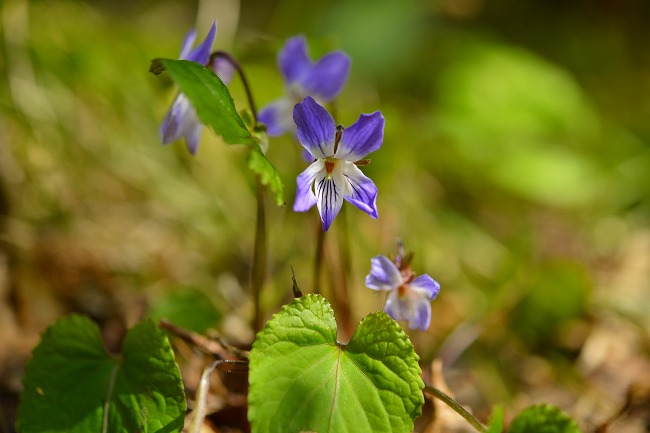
(182, 120)
(334, 176)
(408, 297)
(322, 80)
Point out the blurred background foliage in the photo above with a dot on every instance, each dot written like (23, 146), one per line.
(516, 166)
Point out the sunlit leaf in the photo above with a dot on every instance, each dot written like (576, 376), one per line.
(302, 379)
(543, 419)
(72, 384)
(268, 174)
(209, 97)
(215, 107)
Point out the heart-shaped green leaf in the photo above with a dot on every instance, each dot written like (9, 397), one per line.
(72, 384)
(301, 379)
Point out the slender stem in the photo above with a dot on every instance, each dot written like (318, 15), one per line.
(258, 273)
(233, 61)
(259, 256)
(318, 258)
(460, 410)
(341, 293)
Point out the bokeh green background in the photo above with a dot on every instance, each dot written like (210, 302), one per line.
(516, 166)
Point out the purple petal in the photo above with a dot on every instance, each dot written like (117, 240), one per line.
(181, 121)
(308, 157)
(224, 69)
(305, 197)
(277, 116)
(329, 196)
(190, 37)
(392, 306)
(169, 130)
(201, 54)
(420, 313)
(315, 127)
(383, 275)
(175, 122)
(361, 191)
(327, 77)
(410, 307)
(362, 137)
(192, 137)
(426, 286)
(293, 60)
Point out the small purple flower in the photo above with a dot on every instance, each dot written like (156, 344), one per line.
(181, 120)
(322, 80)
(409, 298)
(334, 175)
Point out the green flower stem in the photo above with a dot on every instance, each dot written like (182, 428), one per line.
(460, 410)
(318, 258)
(341, 298)
(258, 273)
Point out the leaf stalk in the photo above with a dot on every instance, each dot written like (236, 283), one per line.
(456, 407)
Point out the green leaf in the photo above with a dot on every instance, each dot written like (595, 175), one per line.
(209, 97)
(72, 384)
(301, 379)
(543, 418)
(268, 174)
(495, 424)
(215, 107)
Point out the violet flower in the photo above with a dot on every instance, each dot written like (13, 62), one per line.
(322, 80)
(182, 120)
(334, 174)
(409, 298)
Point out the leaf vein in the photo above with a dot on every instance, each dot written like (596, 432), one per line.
(109, 395)
(337, 368)
(356, 396)
(315, 388)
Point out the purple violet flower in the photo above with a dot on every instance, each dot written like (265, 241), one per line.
(182, 120)
(322, 80)
(409, 298)
(334, 174)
